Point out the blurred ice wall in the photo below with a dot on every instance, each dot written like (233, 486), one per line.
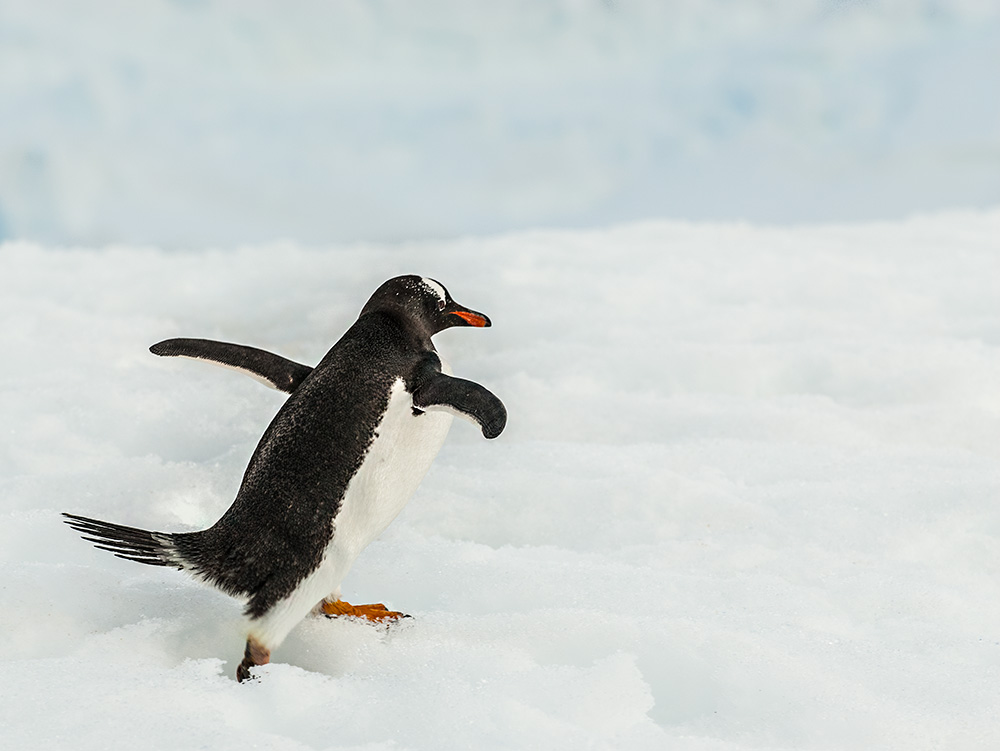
(194, 122)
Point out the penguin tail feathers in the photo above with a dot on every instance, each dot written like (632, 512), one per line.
(130, 543)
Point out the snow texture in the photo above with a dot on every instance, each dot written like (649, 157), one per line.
(193, 122)
(747, 498)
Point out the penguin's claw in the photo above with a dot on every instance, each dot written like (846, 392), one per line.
(375, 612)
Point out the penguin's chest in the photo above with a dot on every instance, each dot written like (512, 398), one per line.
(399, 456)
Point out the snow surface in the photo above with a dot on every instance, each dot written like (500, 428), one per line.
(193, 122)
(747, 497)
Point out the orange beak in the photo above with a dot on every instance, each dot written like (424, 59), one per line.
(473, 319)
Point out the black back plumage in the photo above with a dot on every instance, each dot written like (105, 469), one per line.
(282, 519)
(276, 530)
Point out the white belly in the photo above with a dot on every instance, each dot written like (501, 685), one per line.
(396, 462)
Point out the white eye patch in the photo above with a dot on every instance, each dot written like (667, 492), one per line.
(436, 288)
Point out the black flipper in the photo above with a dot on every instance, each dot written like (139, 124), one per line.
(468, 398)
(276, 371)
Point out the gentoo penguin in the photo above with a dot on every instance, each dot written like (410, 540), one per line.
(336, 465)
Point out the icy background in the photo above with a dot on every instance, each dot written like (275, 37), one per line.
(197, 122)
(747, 498)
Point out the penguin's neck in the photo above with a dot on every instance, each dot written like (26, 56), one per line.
(417, 334)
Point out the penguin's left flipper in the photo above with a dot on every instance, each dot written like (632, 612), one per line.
(271, 369)
(465, 398)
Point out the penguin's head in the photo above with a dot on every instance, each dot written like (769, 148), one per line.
(423, 302)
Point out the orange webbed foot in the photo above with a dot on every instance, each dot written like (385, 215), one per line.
(377, 612)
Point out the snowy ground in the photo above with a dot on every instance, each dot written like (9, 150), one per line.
(747, 498)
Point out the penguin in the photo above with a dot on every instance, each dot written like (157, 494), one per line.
(336, 465)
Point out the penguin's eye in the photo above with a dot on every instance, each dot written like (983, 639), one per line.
(441, 304)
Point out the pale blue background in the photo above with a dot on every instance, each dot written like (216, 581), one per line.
(207, 122)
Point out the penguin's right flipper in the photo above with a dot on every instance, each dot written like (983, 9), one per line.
(272, 370)
(465, 398)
